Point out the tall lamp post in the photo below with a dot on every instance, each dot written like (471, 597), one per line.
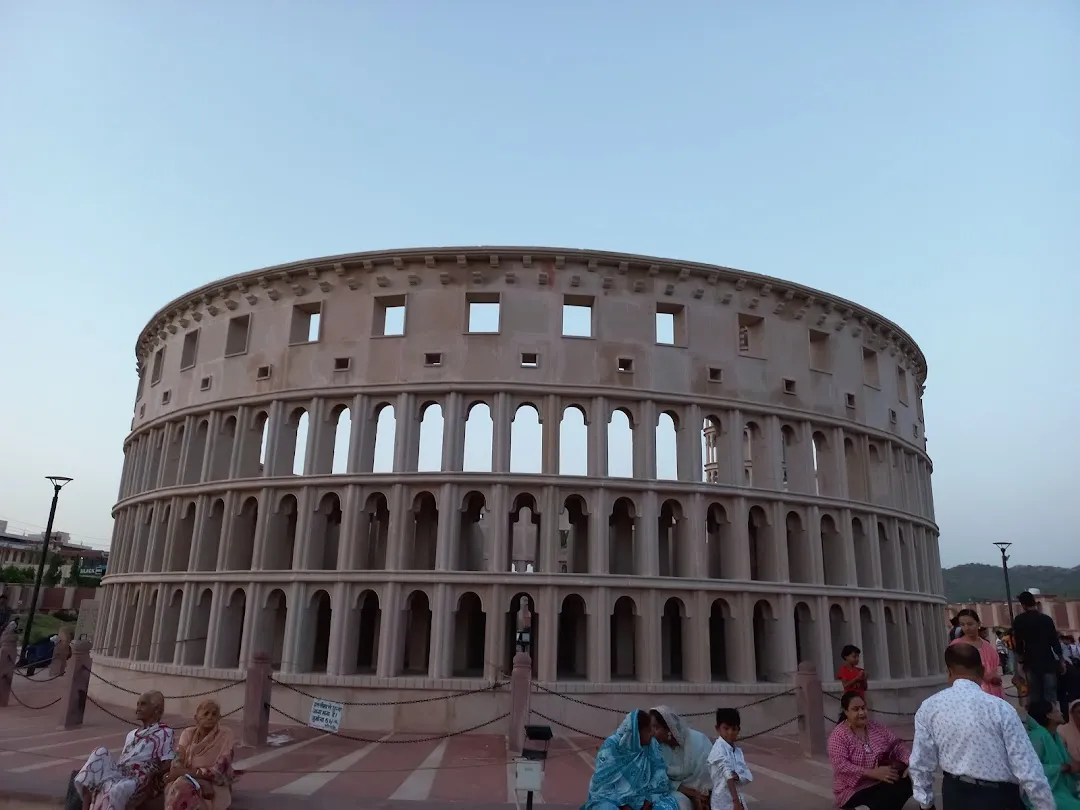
(1003, 547)
(58, 483)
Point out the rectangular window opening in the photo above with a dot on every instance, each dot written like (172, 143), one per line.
(159, 365)
(389, 317)
(901, 385)
(342, 363)
(306, 323)
(483, 313)
(751, 335)
(789, 386)
(626, 365)
(433, 359)
(871, 376)
(166, 397)
(716, 375)
(236, 339)
(204, 383)
(263, 372)
(849, 400)
(577, 316)
(189, 355)
(892, 416)
(142, 410)
(530, 360)
(820, 351)
(670, 324)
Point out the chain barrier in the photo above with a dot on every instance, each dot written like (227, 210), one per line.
(705, 713)
(582, 733)
(354, 738)
(489, 688)
(213, 691)
(20, 701)
(32, 679)
(125, 721)
(837, 721)
(875, 711)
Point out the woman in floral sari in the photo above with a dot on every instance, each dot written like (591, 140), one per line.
(202, 774)
(1061, 772)
(686, 752)
(630, 771)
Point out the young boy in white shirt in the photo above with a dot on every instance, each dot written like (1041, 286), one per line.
(727, 765)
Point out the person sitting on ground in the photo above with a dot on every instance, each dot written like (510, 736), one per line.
(869, 762)
(1060, 769)
(124, 783)
(1070, 731)
(727, 765)
(202, 774)
(969, 623)
(630, 772)
(686, 752)
(852, 677)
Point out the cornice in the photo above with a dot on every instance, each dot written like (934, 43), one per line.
(759, 293)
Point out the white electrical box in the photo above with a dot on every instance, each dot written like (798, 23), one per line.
(530, 775)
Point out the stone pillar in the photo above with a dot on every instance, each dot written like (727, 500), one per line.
(743, 666)
(598, 420)
(251, 613)
(213, 632)
(730, 446)
(258, 689)
(501, 418)
(547, 556)
(646, 536)
(79, 685)
(8, 642)
(294, 620)
(520, 691)
(691, 557)
(599, 540)
(811, 705)
(547, 649)
(691, 466)
(339, 618)
(551, 426)
(440, 661)
(645, 441)
(598, 666)
(696, 639)
(448, 531)
(389, 656)
(498, 536)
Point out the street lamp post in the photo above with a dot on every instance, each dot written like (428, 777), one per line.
(58, 482)
(1003, 547)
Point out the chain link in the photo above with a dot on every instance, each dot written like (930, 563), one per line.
(125, 721)
(33, 708)
(875, 711)
(414, 701)
(705, 713)
(213, 691)
(432, 738)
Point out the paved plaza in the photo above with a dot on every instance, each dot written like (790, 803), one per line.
(37, 756)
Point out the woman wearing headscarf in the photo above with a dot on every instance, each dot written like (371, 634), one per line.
(202, 774)
(970, 626)
(630, 771)
(686, 752)
(1042, 724)
(1070, 731)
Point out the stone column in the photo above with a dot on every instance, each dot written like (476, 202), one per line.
(550, 425)
(598, 420)
(646, 540)
(442, 633)
(339, 618)
(817, 550)
(236, 454)
(294, 619)
(876, 578)
(648, 643)
(599, 656)
(743, 666)
(645, 441)
(501, 417)
(494, 632)
(851, 577)
(361, 435)
(389, 656)
(350, 528)
(252, 608)
(498, 559)
(740, 540)
(599, 540)
(691, 466)
(730, 446)
(692, 538)
(696, 638)
(547, 650)
(156, 653)
(400, 529)
(448, 531)
(787, 658)
(214, 631)
(549, 530)
(453, 433)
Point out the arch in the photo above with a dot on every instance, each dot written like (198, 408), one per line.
(871, 656)
(432, 431)
(712, 434)
(719, 555)
(423, 548)
(672, 649)
(479, 438)
(856, 471)
(832, 553)
(723, 640)
(180, 554)
(365, 656)
(573, 441)
(195, 648)
(231, 630)
(473, 535)
(666, 440)
(526, 440)
(193, 466)
(572, 556)
(800, 560)
(620, 436)
(788, 454)
(325, 534)
(765, 637)
(523, 535)
(622, 537)
(470, 628)
(280, 551)
(341, 418)
(165, 650)
(314, 639)
(296, 440)
(674, 555)
(759, 533)
(573, 641)
(374, 534)
(209, 543)
(895, 643)
(805, 635)
(274, 619)
(535, 629)
(889, 573)
(221, 449)
(839, 633)
(385, 441)
(864, 560)
(417, 634)
(624, 632)
(241, 549)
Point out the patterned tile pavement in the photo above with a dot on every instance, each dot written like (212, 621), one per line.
(37, 756)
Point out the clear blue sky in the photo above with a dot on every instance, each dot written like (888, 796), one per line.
(918, 157)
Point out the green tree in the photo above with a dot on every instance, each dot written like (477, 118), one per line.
(52, 573)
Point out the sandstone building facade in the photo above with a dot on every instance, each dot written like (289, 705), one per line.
(358, 464)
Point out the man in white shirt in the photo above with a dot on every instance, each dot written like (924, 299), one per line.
(978, 741)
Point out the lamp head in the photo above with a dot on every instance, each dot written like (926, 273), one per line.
(58, 481)
(1002, 546)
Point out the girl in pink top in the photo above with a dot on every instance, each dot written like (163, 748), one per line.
(969, 623)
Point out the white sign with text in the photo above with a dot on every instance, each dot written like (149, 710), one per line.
(326, 715)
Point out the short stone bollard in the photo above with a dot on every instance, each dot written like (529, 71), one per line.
(809, 699)
(8, 641)
(257, 692)
(520, 693)
(80, 684)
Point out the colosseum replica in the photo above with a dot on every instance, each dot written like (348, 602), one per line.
(698, 477)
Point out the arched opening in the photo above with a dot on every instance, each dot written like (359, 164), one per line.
(621, 537)
(232, 630)
(765, 637)
(894, 640)
(832, 553)
(573, 644)
(127, 635)
(472, 537)
(272, 634)
(297, 439)
(787, 456)
(711, 435)
(425, 534)
(856, 474)
(620, 434)
(470, 627)
(512, 620)
(722, 638)
(800, 561)
(667, 447)
(382, 460)
(573, 442)
(196, 454)
(315, 638)
(673, 562)
(864, 560)
(368, 630)
(717, 554)
(871, 659)
(180, 558)
(325, 533)
(805, 632)
(342, 420)
(170, 475)
(905, 560)
(573, 552)
(417, 645)
(222, 450)
(624, 621)
(479, 432)
(890, 580)
(432, 426)
(165, 652)
(198, 630)
(839, 633)
(146, 628)
(526, 440)
(374, 533)
(280, 551)
(210, 540)
(671, 640)
(760, 537)
(524, 534)
(242, 543)
(161, 535)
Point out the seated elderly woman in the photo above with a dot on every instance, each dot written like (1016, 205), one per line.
(202, 774)
(105, 783)
(869, 762)
(630, 772)
(686, 752)
(1044, 719)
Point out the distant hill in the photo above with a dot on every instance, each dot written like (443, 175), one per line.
(976, 582)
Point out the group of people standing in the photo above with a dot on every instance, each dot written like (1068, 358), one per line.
(655, 761)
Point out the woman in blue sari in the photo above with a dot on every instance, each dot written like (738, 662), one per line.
(630, 772)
